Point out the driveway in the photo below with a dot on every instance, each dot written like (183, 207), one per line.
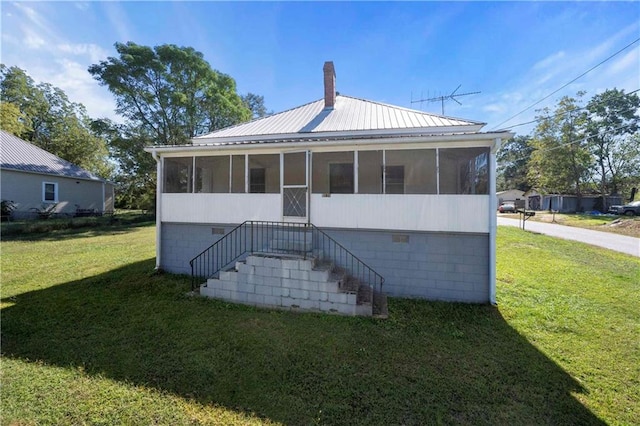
(621, 243)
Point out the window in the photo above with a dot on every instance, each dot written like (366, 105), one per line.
(178, 174)
(49, 192)
(264, 173)
(464, 171)
(257, 181)
(394, 180)
(237, 174)
(370, 172)
(212, 174)
(411, 171)
(341, 178)
(332, 173)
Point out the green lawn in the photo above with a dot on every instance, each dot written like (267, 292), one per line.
(90, 335)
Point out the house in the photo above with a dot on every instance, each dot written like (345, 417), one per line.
(36, 180)
(514, 196)
(568, 203)
(410, 195)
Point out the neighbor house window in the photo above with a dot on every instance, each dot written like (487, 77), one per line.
(49, 192)
(178, 174)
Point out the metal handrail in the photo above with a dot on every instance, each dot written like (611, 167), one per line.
(279, 237)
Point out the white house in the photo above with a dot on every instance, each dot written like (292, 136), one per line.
(514, 196)
(410, 194)
(35, 179)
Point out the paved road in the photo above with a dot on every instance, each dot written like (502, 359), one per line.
(621, 243)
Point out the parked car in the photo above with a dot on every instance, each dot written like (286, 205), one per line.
(507, 208)
(627, 210)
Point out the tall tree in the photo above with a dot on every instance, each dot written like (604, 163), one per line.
(135, 176)
(51, 121)
(255, 103)
(561, 161)
(611, 121)
(170, 91)
(513, 163)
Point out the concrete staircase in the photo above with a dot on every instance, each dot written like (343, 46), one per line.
(293, 282)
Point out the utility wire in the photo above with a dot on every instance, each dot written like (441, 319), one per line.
(558, 114)
(582, 139)
(565, 85)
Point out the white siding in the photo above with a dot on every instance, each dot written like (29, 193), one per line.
(438, 213)
(220, 208)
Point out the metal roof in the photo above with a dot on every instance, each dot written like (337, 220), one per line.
(350, 116)
(18, 154)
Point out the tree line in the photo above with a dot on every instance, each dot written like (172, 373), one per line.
(165, 95)
(577, 148)
(168, 94)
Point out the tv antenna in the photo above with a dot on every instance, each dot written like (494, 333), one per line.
(441, 99)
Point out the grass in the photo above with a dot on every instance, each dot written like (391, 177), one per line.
(90, 335)
(622, 225)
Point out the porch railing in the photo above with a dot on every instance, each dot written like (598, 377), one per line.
(303, 239)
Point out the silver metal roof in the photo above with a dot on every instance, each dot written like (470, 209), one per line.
(18, 154)
(350, 115)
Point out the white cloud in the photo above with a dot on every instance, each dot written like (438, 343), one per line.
(549, 61)
(93, 51)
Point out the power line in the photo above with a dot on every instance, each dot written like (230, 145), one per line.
(565, 85)
(558, 114)
(582, 139)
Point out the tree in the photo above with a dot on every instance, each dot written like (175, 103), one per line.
(255, 103)
(561, 161)
(135, 176)
(48, 119)
(171, 92)
(513, 164)
(12, 119)
(611, 121)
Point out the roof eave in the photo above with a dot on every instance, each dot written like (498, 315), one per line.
(247, 144)
(344, 134)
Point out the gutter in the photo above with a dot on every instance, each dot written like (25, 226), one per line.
(301, 144)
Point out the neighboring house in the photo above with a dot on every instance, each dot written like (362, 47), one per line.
(568, 203)
(35, 179)
(411, 194)
(514, 196)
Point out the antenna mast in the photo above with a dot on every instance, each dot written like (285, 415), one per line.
(441, 99)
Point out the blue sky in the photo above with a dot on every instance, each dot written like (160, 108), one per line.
(514, 53)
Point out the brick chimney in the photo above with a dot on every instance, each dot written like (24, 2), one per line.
(329, 84)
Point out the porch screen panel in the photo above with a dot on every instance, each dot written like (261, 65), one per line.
(237, 173)
(264, 173)
(464, 171)
(178, 174)
(295, 168)
(411, 171)
(370, 172)
(333, 173)
(212, 174)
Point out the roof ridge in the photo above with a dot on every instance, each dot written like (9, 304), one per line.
(448, 117)
(258, 119)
